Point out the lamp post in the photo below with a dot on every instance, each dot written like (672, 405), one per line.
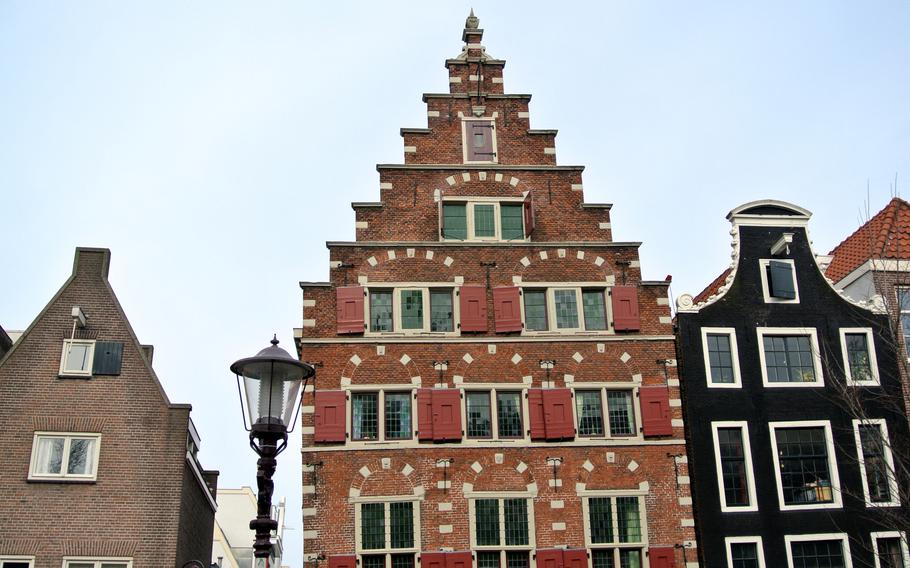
(273, 385)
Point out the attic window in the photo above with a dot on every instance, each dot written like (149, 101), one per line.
(77, 358)
(479, 141)
(779, 281)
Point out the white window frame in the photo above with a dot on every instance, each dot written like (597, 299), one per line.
(890, 534)
(579, 287)
(522, 391)
(845, 547)
(380, 391)
(640, 494)
(756, 540)
(792, 331)
(637, 433)
(889, 460)
(766, 286)
(28, 559)
(873, 361)
(497, 202)
(67, 343)
(95, 560)
(750, 472)
(502, 548)
(734, 355)
(465, 141)
(67, 440)
(837, 501)
(396, 288)
(900, 315)
(386, 501)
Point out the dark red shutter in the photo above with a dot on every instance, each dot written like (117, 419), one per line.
(625, 308)
(425, 414)
(662, 557)
(330, 416)
(528, 208)
(446, 414)
(655, 411)
(575, 558)
(549, 558)
(458, 560)
(507, 308)
(557, 410)
(473, 305)
(535, 409)
(482, 132)
(433, 560)
(349, 307)
(346, 561)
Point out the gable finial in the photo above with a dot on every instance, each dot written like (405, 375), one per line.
(472, 22)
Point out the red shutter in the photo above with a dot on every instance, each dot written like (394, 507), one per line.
(349, 308)
(433, 560)
(662, 557)
(482, 152)
(535, 409)
(473, 305)
(424, 414)
(549, 558)
(655, 411)
(346, 561)
(575, 558)
(507, 308)
(458, 560)
(529, 214)
(330, 416)
(446, 414)
(557, 410)
(625, 308)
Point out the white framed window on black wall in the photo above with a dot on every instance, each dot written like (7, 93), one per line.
(733, 463)
(744, 552)
(778, 281)
(903, 306)
(876, 463)
(891, 550)
(859, 361)
(790, 357)
(830, 550)
(387, 531)
(721, 356)
(807, 475)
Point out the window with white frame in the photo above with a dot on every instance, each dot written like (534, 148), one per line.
(565, 309)
(614, 530)
(733, 459)
(620, 416)
(818, 551)
(387, 533)
(744, 552)
(97, 563)
(721, 357)
(483, 220)
(429, 309)
(807, 476)
(890, 548)
(876, 463)
(903, 305)
(64, 456)
(494, 414)
(790, 357)
(778, 281)
(17, 561)
(381, 415)
(502, 531)
(77, 358)
(858, 348)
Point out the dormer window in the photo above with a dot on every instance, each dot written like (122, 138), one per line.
(479, 141)
(779, 281)
(485, 220)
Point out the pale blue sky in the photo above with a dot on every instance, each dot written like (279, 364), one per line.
(215, 146)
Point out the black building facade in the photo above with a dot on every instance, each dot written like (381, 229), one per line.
(793, 409)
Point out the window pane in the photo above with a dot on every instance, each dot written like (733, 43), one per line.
(374, 561)
(858, 356)
(600, 519)
(535, 309)
(619, 407)
(517, 559)
(733, 466)
(744, 554)
(566, 309)
(478, 412)
(486, 531)
(441, 310)
(877, 471)
(804, 474)
(372, 526)
(381, 310)
(905, 326)
(77, 356)
(455, 221)
(889, 552)
(397, 415)
(50, 455)
(484, 221)
(629, 559)
(365, 420)
(113, 565)
(595, 309)
(402, 524)
(15, 564)
(589, 412)
(488, 560)
(516, 521)
(720, 358)
(80, 565)
(412, 309)
(82, 456)
(512, 221)
(818, 554)
(402, 561)
(508, 409)
(788, 359)
(601, 558)
(627, 519)
(903, 299)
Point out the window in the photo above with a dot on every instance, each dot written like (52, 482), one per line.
(778, 281)
(78, 356)
(390, 409)
(818, 551)
(860, 365)
(564, 309)
(535, 310)
(733, 459)
(614, 530)
(480, 423)
(381, 310)
(890, 549)
(620, 420)
(502, 534)
(479, 141)
(745, 552)
(903, 302)
(17, 561)
(386, 533)
(64, 456)
(101, 563)
(790, 357)
(482, 406)
(721, 357)
(876, 463)
(589, 412)
(804, 459)
(418, 310)
(487, 220)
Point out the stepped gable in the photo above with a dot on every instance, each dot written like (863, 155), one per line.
(886, 235)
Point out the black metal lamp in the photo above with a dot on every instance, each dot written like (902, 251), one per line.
(273, 383)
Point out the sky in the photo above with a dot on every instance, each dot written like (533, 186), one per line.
(215, 146)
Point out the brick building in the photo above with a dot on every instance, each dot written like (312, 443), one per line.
(496, 384)
(99, 466)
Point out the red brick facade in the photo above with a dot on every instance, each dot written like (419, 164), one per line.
(400, 244)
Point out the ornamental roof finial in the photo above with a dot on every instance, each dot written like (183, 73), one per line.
(472, 22)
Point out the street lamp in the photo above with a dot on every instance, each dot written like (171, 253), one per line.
(273, 383)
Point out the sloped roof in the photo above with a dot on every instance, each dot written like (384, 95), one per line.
(886, 235)
(712, 288)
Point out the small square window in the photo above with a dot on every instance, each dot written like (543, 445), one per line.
(78, 356)
(64, 456)
(860, 364)
(789, 357)
(778, 281)
(745, 552)
(890, 548)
